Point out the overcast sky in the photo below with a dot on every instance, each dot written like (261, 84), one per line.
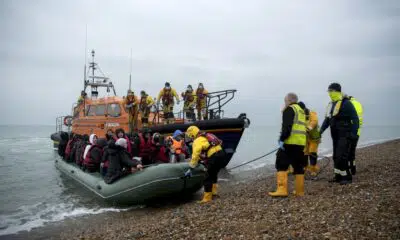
(264, 49)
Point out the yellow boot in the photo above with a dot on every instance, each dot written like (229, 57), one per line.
(207, 197)
(315, 170)
(215, 189)
(299, 184)
(281, 184)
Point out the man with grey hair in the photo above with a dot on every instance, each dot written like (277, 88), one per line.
(292, 142)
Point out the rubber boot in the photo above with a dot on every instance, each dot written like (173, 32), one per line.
(308, 169)
(281, 184)
(215, 189)
(314, 170)
(299, 185)
(207, 197)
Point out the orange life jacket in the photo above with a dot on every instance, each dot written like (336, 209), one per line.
(177, 146)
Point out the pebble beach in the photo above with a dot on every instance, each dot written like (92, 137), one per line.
(369, 208)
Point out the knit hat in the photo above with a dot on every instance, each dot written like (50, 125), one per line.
(335, 87)
(122, 142)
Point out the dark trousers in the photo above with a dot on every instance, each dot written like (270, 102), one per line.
(213, 165)
(292, 155)
(313, 159)
(352, 155)
(341, 154)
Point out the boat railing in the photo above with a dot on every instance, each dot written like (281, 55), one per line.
(214, 104)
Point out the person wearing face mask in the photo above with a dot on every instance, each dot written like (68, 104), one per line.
(342, 118)
(189, 100)
(201, 102)
(292, 142)
(167, 95)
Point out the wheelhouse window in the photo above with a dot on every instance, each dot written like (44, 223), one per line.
(113, 110)
(100, 110)
(91, 110)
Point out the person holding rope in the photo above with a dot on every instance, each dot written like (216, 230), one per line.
(292, 142)
(342, 118)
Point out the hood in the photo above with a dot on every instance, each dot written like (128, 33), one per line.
(91, 138)
(177, 133)
(122, 143)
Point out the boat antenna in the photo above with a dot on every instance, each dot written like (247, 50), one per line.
(130, 73)
(84, 74)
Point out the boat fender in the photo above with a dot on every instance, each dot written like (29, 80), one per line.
(245, 119)
(68, 121)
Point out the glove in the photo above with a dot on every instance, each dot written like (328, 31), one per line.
(280, 143)
(188, 173)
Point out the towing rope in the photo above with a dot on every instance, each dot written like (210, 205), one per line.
(255, 159)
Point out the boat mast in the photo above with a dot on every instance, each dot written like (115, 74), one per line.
(130, 73)
(95, 81)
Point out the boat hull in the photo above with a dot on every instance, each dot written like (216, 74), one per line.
(153, 182)
(229, 130)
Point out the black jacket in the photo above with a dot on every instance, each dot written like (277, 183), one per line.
(345, 123)
(287, 123)
(119, 159)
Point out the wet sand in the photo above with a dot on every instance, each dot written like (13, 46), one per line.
(367, 209)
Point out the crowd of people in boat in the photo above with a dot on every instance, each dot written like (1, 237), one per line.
(118, 154)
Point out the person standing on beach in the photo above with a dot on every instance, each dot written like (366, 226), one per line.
(343, 120)
(313, 140)
(292, 142)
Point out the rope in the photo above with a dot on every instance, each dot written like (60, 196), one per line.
(255, 159)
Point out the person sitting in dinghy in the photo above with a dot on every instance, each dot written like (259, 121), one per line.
(121, 163)
(92, 155)
(176, 145)
(111, 139)
(159, 153)
(80, 149)
(145, 146)
(121, 134)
